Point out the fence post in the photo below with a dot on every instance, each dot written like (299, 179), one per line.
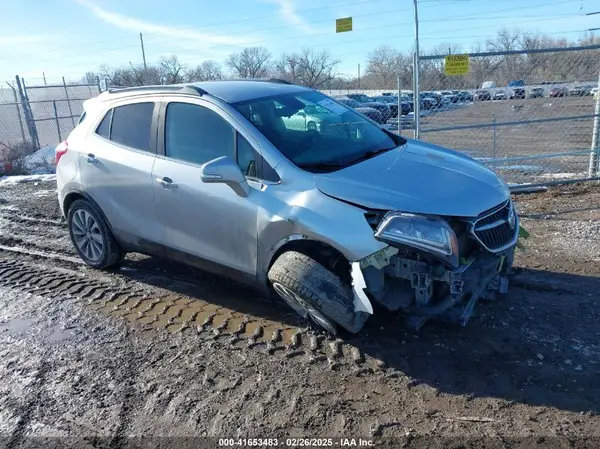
(416, 97)
(594, 167)
(35, 141)
(18, 111)
(399, 108)
(68, 102)
(57, 121)
(494, 138)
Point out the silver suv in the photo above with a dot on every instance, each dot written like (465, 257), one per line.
(334, 223)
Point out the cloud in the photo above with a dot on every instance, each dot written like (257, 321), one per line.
(288, 10)
(184, 34)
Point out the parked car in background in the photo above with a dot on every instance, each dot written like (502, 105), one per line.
(483, 95)
(365, 100)
(449, 96)
(559, 92)
(595, 92)
(331, 225)
(439, 102)
(517, 93)
(536, 92)
(500, 95)
(373, 114)
(464, 96)
(392, 102)
(426, 102)
(581, 91)
(488, 85)
(312, 117)
(516, 83)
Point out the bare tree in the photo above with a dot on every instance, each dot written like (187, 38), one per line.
(317, 68)
(251, 62)
(383, 65)
(172, 70)
(309, 68)
(287, 67)
(207, 71)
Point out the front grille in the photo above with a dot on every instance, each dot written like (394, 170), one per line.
(493, 228)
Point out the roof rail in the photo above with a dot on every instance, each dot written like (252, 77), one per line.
(181, 88)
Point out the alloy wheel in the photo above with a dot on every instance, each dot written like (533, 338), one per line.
(303, 307)
(87, 235)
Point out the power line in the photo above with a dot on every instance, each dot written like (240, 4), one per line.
(192, 27)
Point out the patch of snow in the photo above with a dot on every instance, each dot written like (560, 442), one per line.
(7, 180)
(41, 162)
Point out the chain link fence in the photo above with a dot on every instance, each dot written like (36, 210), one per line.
(529, 115)
(34, 119)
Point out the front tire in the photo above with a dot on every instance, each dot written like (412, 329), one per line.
(91, 236)
(315, 292)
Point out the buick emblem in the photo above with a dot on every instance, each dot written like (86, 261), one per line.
(511, 218)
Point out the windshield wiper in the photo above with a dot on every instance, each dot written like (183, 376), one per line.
(320, 165)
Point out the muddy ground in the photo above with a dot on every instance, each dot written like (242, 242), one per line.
(157, 349)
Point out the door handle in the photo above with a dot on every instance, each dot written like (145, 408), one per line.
(166, 182)
(91, 159)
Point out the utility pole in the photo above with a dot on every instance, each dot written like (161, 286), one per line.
(143, 52)
(416, 75)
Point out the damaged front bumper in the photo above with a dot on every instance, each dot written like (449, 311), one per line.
(425, 290)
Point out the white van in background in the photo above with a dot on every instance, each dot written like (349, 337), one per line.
(488, 85)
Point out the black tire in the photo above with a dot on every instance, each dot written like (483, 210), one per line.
(111, 253)
(319, 287)
(311, 126)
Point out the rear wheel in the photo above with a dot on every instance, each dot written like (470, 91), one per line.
(311, 126)
(91, 236)
(315, 293)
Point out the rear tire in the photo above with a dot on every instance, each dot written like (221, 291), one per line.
(91, 236)
(317, 291)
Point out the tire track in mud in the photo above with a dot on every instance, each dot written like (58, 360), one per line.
(175, 313)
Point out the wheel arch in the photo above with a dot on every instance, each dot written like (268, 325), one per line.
(74, 195)
(324, 253)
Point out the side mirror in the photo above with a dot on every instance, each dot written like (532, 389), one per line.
(226, 171)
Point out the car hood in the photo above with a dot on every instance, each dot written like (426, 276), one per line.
(418, 178)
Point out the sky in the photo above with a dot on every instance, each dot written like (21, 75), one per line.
(56, 38)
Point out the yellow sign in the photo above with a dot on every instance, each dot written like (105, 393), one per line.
(456, 65)
(343, 25)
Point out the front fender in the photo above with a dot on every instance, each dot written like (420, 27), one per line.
(314, 216)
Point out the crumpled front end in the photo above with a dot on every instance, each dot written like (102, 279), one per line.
(440, 267)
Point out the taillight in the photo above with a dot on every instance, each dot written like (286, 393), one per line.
(59, 151)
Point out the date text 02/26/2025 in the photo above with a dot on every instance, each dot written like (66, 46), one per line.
(295, 442)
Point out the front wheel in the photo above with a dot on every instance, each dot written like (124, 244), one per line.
(91, 236)
(315, 293)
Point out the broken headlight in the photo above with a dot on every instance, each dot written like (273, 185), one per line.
(431, 235)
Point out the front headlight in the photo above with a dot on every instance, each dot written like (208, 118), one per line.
(431, 235)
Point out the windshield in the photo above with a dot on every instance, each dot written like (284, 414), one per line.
(337, 137)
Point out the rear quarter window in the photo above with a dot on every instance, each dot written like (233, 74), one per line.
(103, 128)
(132, 124)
